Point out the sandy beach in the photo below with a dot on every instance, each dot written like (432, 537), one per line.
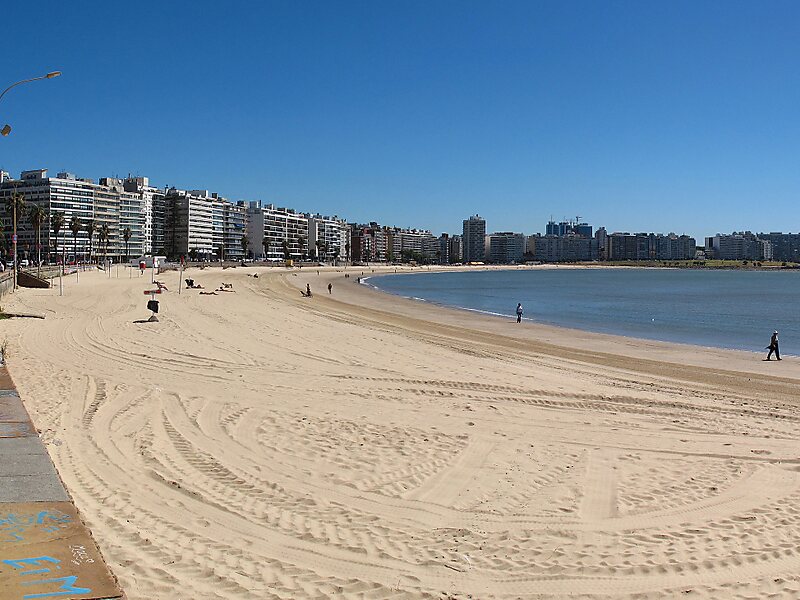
(258, 444)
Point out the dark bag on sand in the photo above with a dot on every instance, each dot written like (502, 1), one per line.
(152, 305)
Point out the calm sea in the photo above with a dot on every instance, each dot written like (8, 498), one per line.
(725, 309)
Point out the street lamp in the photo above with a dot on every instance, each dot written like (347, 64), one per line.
(7, 128)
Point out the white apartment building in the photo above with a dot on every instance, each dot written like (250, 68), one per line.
(65, 194)
(328, 238)
(152, 233)
(270, 229)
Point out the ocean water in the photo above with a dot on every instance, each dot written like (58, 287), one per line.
(724, 309)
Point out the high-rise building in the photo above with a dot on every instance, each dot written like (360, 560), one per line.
(785, 246)
(474, 239)
(328, 238)
(106, 204)
(739, 246)
(505, 247)
(276, 233)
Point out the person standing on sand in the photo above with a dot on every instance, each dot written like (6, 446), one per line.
(773, 347)
(519, 312)
(308, 290)
(330, 285)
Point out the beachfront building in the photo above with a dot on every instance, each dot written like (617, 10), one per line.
(152, 205)
(785, 246)
(275, 233)
(66, 194)
(444, 249)
(738, 246)
(368, 242)
(234, 224)
(328, 238)
(202, 225)
(456, 249)
(505, 247)
(474, 239)
(405, 245)
(566, 248)
(120, 210)
(649, 246)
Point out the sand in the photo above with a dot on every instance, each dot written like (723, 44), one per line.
(258, 444)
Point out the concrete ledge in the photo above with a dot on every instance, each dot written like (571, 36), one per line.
(45, 549)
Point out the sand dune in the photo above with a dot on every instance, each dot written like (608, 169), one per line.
(258, 444)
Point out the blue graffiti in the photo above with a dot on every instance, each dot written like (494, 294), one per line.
(14, 527)
(46, 564)
(67, 587)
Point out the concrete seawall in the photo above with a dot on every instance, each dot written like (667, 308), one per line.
(46, 551)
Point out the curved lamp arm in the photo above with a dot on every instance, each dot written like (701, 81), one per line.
(48, 76)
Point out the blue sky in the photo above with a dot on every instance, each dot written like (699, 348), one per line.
(639, 116)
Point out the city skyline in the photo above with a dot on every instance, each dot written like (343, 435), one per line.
(423, 113)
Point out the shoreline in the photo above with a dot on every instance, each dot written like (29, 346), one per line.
(567, 328)
(553, 337)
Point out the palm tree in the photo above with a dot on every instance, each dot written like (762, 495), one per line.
(75, 228)
(103, 234)
(89, 226)
(347, 250)
(286, 254)
(57, 224)
(126, 235)
(245, 242)
(38, 215)
(15, 203)
(301, 241)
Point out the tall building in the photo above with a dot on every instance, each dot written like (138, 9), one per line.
(456, 250)
(328, 238)
(271, 229)
(368, 242)
(474, 239)
(105, 203)
(785, 246)
(739, 246)
(505, 247)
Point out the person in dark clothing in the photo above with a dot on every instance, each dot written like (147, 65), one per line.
(308, 291)
(519, 312)
(773, 347)
(330, 285)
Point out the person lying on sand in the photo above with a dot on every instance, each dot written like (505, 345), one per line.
(222, 289)
(208, 293)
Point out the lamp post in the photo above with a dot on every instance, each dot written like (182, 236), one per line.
(7, 128)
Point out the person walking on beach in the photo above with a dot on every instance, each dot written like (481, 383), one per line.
(519, 312)
(308, 291)
(330, 286)
(773, 347)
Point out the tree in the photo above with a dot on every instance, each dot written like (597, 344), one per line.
(126, 235)
(103, 235)
(37, 216)
(75, 228)
(16, 204)
(245, 242)
(301, 241)
(347, 250)
(286, 254)
(57, 224)
(89, 226)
